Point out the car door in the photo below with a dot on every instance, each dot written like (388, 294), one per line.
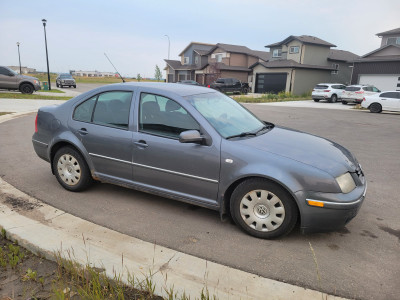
(7, 79)
(101, 123)
(236, 86)
(162, 163)
(389, 100)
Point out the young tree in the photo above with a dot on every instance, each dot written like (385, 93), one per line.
(138, 77)
(158, 74)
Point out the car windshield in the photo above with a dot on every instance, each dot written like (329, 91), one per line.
(12, 71)
(227, 116)
(66, 76)
(352, 89)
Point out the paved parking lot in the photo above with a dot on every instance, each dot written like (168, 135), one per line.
(360, 261)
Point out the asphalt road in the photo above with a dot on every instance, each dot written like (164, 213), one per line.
(80, 87)
(360, 261)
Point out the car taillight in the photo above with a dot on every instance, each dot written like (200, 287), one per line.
(313, 90)
(327, 91)
(208, 86)
(364, 99)
(360, 92)
(36, 123)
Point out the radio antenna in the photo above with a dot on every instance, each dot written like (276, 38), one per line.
(123, 80)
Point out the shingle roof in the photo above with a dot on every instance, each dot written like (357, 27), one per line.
(342, 55)
(177, 65)
(379, 58)
(393, 31)
(289, 63)
(196, 43)
(306, 39)
(201, 52)
(264, 55)
(225, 67)
(379, 49)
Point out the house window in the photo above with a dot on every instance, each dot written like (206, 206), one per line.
(294, 49)
(336, 67)
(393, 41)
(186, 61)
(218, 57)
(277, 53)
(196, 59)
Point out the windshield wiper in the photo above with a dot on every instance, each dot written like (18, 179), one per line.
(243, 134)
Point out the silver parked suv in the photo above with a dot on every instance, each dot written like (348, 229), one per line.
(65, 80)
(11, 80)
(356, 93)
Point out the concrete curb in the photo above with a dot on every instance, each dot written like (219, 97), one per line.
(46, 230)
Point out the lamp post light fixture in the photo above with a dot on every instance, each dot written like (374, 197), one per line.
(47, 56)
(169, 44)
(19, 58)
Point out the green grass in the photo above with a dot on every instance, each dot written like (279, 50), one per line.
(105, 80)
(52, 91)
(266, 98)
(5, 113)
(32, 96)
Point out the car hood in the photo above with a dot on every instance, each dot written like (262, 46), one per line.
(309, 149)
(28, 77)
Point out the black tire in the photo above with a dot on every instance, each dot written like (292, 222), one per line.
(316, 100)
(74, 86)
(286, 208)
(375, 108)
(26, 88)
(60, 85)
(344, 102)
(66, 163)
(57, 85)
(245, 90)
(333, 99)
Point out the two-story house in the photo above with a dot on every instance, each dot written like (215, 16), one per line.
(380, 67)
(193, 57)
(232, 61)
(205, 63)
(298, 63)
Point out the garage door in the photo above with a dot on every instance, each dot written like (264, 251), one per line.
(270, 82)
(382, 82)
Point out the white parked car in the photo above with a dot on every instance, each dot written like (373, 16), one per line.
(328, 91)
(356, 93)
(389, 100)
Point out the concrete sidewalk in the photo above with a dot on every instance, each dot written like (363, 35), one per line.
(44, 229)
(25, 105)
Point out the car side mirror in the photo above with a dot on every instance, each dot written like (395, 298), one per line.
(191, 136)
(10, 74)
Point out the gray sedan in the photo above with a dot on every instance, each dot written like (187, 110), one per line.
(199, 146)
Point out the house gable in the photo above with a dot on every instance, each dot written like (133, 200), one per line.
(387, 50)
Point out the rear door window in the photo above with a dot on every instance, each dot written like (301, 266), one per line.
(390, 95)
(83, 112)
(352, 89)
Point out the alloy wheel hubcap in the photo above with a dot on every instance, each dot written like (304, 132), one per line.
(69, 169)
(262, 210)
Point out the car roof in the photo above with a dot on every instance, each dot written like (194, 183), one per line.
(175, 88)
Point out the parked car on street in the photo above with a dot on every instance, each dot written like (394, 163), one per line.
(200, 146)
(191, 82)
(230, 85)
(327, 91)
(11, 80)
(356, 93)
(388, 100)
(65, 80)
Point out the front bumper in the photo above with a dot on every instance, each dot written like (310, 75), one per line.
(339, 209)
(37, 86)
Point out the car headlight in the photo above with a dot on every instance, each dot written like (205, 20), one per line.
(36, 82)
(346, 182)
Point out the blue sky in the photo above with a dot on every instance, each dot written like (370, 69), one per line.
(132, 33)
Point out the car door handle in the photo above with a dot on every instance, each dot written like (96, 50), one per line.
(141, 144)
(383, 99)
(83, 131)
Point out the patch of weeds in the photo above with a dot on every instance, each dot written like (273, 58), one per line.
(30, 275)
(3, 233)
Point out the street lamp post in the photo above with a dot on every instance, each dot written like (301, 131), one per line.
(47, 56)
(19, 58)
(169, 44)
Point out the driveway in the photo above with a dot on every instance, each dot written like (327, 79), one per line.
(360, 261)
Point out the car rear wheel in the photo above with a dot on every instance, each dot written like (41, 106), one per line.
(344, 102)
(71, 170)
(26, 88)
(263, 208)
(375, 108)
(316, 100)
(333, 98)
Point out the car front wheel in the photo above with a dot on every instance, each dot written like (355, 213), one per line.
(344, 102)
(71, 170)
(263, 208)
(375, 108)
(316, 100)
(26, 88)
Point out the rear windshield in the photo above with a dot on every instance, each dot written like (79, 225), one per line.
(320, 87)
(352, 89)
